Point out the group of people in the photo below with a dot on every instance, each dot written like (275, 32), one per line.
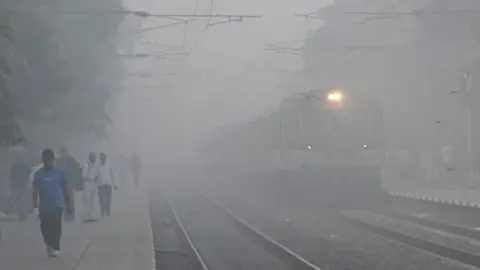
(55, 183)
(98, 178)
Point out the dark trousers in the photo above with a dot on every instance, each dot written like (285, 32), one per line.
(105, 199)
(70, 216)
(51, 227)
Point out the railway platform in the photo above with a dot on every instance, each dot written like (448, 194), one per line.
(122, 241)
(461, 197)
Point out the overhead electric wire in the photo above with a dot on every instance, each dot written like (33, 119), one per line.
(210, 12)
(145, 14)
(185, 30)
(197, 3)
(178, 19)
(203, 33)
(419, 12)
(161, 26)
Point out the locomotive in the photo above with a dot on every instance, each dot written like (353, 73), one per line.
(321, 148)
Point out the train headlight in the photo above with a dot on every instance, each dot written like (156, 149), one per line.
(335, 96)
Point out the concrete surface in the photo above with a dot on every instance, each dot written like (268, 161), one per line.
(469, 198)
(122, 241)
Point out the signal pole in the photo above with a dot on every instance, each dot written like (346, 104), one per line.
(467, 76)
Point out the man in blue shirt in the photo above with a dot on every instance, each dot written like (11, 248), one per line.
(50, 188)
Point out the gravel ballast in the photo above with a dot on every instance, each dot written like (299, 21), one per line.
(222, 245)
(328, 241)
(417, 231)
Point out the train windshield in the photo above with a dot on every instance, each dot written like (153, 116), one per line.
(348, 130)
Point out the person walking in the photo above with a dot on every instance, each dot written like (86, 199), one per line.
(106, 185)
(90, 184)
(136, 167)
(50, 196)
(19, 180)
(73, 172)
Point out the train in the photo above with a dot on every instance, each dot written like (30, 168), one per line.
(319, 148)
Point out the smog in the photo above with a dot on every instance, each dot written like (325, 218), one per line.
(305, 120)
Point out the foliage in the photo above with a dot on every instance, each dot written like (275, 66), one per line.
(403, 52)
(413, 56)
(57, 70)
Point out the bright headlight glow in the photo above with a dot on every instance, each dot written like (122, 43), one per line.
(335, 97)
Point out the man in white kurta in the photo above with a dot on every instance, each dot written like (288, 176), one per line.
(106, 185)
(90, 186)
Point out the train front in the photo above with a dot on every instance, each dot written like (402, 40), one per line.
(342, 136)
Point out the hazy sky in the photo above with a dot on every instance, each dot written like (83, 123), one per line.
(227, 74)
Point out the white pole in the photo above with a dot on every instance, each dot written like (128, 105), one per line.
(282, 155)
(468, 80)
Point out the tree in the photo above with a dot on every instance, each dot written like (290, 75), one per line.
(58, 70)
(410, 54)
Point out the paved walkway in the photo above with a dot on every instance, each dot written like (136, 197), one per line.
(123, 241)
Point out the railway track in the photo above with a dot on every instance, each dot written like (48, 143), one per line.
(462, 256)
(440, 227)
(322, 236)
(218, 239)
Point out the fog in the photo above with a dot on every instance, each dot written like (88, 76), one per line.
(212, 98)
(226, 76)
(345, 130)
(413, 66)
